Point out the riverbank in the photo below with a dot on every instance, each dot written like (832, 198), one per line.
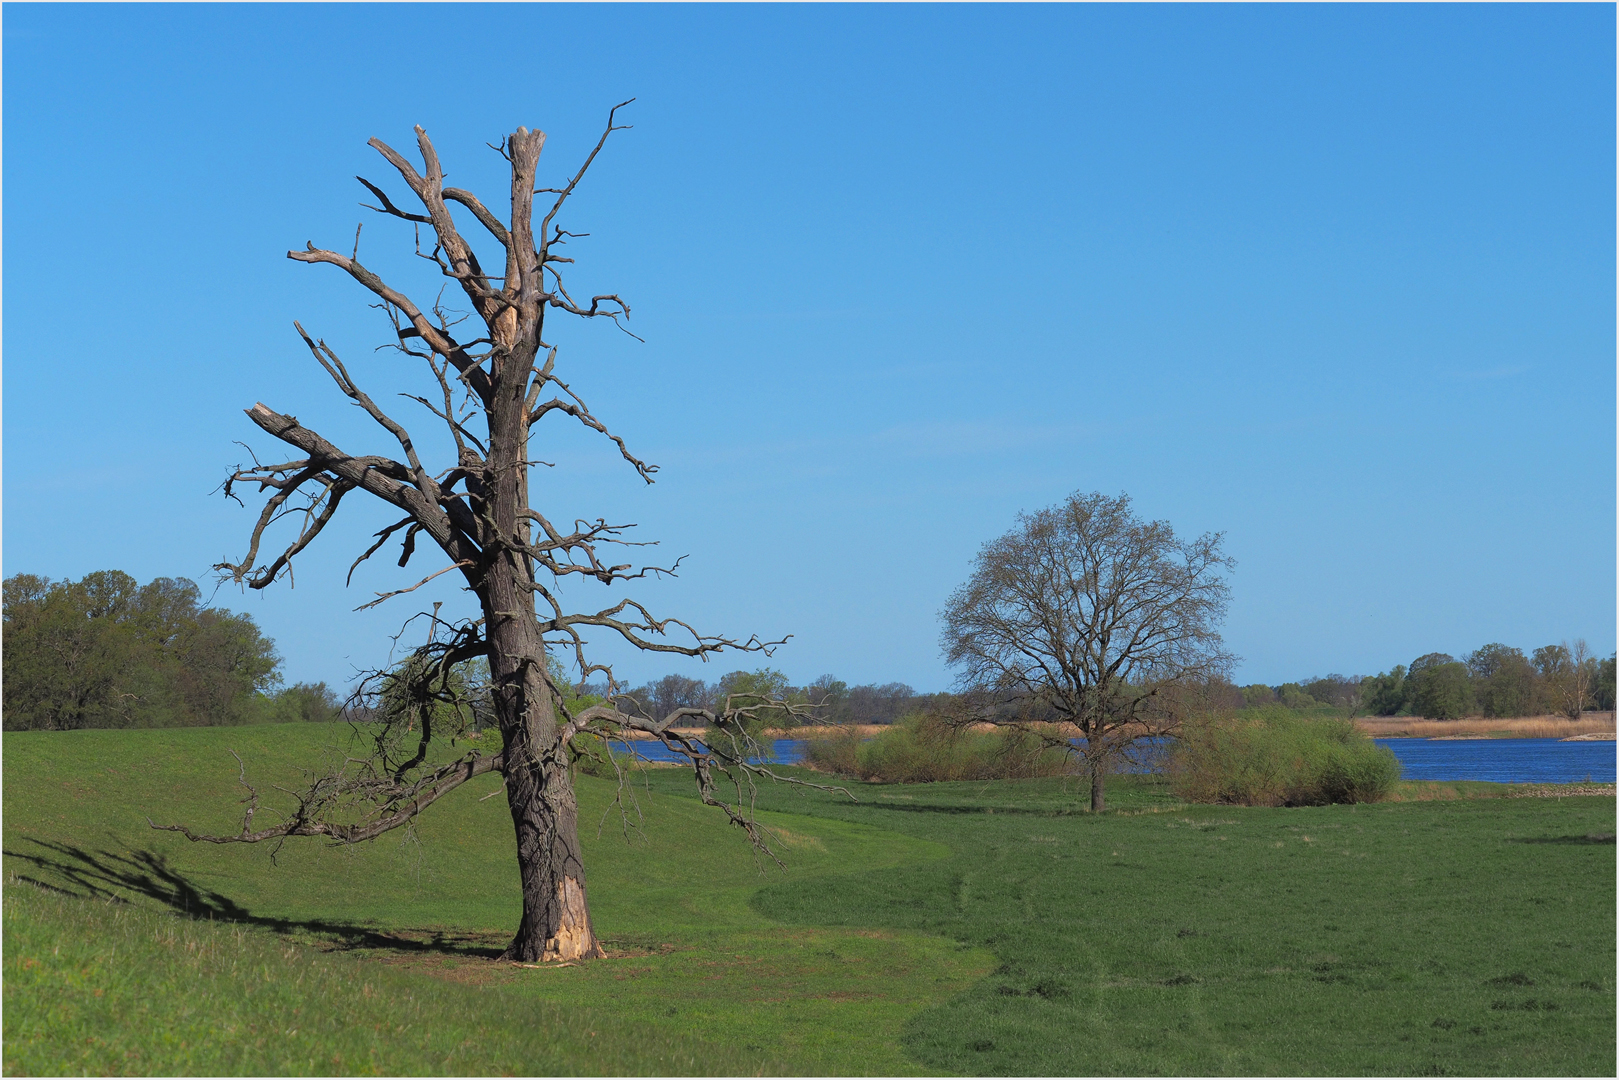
(1593, 724)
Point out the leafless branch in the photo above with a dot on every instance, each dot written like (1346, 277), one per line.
(391, 804)
(730, 752)
(563, 193)
(400, 592)
(440, 342)
(579, 411)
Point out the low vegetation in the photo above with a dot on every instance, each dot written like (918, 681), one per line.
(982, 927)
(924, 748)
(1274, 758)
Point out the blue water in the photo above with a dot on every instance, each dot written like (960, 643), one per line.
(1508, 761)
(782, 751)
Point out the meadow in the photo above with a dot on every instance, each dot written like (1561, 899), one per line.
(969, 927)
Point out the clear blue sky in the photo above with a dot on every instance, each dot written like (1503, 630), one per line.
(1336, 281)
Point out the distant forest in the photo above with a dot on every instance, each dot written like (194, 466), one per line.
(107, 652)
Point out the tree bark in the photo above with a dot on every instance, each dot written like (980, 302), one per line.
(1098, 784)
(556, 916)
(539, 792)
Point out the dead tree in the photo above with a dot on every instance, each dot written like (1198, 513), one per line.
(489, 391)
(1087, 617)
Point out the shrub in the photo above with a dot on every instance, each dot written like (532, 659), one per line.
(922, 748)
(837, 753)
(1274, 759)
(313, 703)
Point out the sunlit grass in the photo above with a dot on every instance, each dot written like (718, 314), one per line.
(93, 987)
(693, 963)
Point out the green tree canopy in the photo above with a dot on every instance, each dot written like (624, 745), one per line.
(1294, 696)
(1602, 687)
(1505, 681)
(1384, 694)
(1439, 688)
(1258, 694)
(741, 689)
(105, 651)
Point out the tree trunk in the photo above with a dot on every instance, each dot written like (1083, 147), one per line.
(539, 785)
(1098, 783)
(556, 916)
(539, 793)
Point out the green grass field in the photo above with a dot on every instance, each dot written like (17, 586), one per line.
(986, 928)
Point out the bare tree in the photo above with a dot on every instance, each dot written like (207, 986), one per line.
(488, 391)
(1089, 616)
(1340, 691)
(677, 692)
(1567, 673)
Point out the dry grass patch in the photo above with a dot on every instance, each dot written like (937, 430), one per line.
(1520, 727)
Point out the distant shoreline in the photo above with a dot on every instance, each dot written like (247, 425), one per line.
(1593, 726)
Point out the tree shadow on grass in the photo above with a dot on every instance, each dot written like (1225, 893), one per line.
(1591, 838)
(73, 871)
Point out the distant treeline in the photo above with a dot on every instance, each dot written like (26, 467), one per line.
(107, 652)
(835, 700)
(1496, 680)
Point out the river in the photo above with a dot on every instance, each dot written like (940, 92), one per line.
(1509, 761)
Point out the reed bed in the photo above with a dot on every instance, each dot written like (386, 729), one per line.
(1517, 727)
